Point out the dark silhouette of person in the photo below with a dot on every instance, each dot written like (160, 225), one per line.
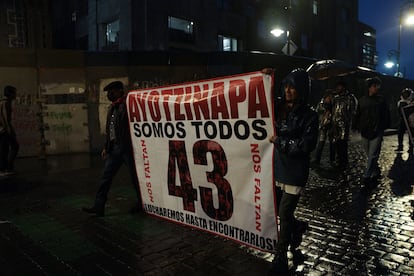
(406, 98)
(324, 110)
(9, 147)
(371, 119)
(117, 150)
(344, 106)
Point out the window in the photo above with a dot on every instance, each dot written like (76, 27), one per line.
(227, 44)
(112, 34)
(315, 7)
(180, 29)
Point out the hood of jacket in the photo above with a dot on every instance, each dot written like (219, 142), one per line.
(299, 79)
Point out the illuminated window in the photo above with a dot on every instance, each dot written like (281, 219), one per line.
(315, 7)
(180, 29)
(112, 34)
(227, 44)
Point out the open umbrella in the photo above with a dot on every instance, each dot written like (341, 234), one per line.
(328, 68)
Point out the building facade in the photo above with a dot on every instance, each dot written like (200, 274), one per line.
(143, 25)
(25, 24)
(319, 29)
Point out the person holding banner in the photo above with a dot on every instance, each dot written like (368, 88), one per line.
(296, 137)
(117, 149)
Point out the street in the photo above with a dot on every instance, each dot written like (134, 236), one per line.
(355, 229)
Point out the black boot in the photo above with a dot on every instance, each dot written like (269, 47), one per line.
(280, 262)
(297, 257)
(300, 228)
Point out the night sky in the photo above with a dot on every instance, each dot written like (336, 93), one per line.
(383, 15)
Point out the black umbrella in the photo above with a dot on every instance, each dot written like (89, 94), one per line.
(328, 68)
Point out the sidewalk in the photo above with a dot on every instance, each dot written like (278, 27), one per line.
(354, 230)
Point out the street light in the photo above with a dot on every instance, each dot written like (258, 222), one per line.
(277, 32)
(407, 20)
(390, 63)
(290, 47)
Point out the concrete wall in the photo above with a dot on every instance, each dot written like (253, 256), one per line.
(60, 107)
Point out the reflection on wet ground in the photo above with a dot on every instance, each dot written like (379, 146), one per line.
(355, 229)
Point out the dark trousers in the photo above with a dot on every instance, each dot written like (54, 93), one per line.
(9, 147)
(286, 208)
(341, 149)
(401, 131)
(113, 163)
(319, 150)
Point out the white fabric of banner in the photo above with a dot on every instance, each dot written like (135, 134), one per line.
(203, 156)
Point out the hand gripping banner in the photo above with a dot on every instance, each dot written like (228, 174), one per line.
(203, 156)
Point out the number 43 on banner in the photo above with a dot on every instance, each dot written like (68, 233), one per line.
(178, 157)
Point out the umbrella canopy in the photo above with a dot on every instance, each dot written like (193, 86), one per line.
(328, 68)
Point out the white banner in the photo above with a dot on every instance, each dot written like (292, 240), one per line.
(203, 156)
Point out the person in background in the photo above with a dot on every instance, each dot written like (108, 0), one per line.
(296, 137)
(343, 110)
(407, 95)
(371, 119)
(324, 110)
(117, 149)
(9, 147)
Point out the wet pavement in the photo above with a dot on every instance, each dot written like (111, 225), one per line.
(355, 229)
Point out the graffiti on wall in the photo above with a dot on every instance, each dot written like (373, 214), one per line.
(66, 128)
(142, 84)
(26, 123)
(62, 122)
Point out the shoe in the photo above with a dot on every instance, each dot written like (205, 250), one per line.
(280, 263)
(300, 228)
(297, 257)
(93, 210)
(135, 209)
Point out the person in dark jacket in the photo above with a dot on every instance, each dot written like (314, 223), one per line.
(9, 147)
(117, 149)
(296, 137)
(372, 118)
(406, 98)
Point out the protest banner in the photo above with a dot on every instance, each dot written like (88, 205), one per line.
(203, 156)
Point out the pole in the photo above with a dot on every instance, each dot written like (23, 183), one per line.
(399, 45)
(289, 26)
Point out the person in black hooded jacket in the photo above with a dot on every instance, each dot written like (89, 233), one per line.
(296, 137)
